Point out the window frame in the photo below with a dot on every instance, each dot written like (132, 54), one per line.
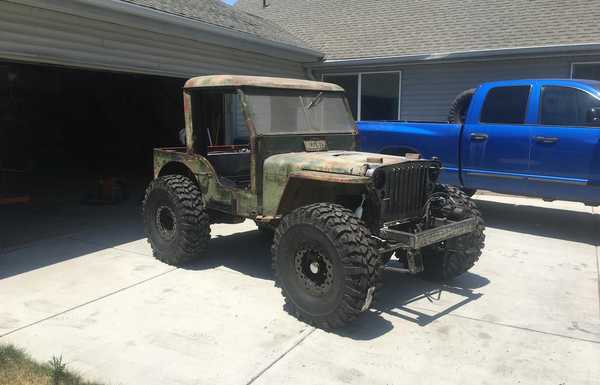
(359, 87)
(527, 106)
(541, 100)
(573, 64)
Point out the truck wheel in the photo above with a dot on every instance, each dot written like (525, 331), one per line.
(460, 106)
(453, 257)
(175, 222)
(326, 264)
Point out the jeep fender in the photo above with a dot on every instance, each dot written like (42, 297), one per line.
(306, 187)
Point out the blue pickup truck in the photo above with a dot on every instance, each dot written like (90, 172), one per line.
(525, 137)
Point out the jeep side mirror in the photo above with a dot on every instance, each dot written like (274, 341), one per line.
(593, 116)
(182, 138)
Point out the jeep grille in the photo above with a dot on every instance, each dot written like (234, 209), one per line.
(407, 186)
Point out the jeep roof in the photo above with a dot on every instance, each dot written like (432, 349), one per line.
(259, 81)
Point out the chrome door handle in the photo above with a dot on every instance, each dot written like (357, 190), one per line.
(477, 136)
(546, 139)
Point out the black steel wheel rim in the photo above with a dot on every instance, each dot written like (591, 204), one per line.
(314, 270)
(166, 222)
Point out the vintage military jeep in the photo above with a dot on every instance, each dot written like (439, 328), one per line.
(283, 152)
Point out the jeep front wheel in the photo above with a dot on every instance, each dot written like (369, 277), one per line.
(325, 264)
(453, 257)
(175, 222)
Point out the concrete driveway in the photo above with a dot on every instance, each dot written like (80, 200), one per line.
(528, 313)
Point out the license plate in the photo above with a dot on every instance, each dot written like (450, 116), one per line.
(315, 145)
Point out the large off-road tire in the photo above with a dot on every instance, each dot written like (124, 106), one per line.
(175, 222)
(449, 259)
(460, 106)
(326, 264)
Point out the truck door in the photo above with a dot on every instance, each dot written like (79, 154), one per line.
(565, 145)
(495, 140)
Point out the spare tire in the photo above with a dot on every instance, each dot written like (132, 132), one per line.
(460, 106)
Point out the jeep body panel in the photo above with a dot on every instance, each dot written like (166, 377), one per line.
(339, 167)
(215, 195)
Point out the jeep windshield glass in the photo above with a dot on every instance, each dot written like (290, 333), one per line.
(297, 111)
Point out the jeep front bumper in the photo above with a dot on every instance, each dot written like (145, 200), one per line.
(401, 239)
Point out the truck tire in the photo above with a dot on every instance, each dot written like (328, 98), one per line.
(460, 106)
(326, 265)
(449, 259)
(175, 222)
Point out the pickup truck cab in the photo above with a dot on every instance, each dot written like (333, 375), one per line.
(525, 137)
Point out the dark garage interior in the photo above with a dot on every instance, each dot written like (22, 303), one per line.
(70, 138)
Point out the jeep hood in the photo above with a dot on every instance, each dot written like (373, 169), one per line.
(336, 162)
(346, 164)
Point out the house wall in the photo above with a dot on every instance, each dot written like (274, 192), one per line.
(428, 89)
(35, 31)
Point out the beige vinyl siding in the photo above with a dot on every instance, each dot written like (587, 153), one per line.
(31, 33)
(428, 89)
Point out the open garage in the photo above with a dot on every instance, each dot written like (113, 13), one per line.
(88, 89)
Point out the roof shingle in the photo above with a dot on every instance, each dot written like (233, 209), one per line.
(351, 29)
(220, 14)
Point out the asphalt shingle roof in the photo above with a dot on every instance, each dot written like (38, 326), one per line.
(220, 14)
(350, 29)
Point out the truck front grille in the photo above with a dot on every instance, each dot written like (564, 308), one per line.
(407, 186)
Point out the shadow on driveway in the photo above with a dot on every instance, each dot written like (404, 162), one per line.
(555, 223)
(249, 254)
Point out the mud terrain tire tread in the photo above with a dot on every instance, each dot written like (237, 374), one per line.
(465, 250)
(460, 106)
(356, 253)
(193, 233)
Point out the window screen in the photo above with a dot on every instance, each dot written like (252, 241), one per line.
(589, 71)
(566, 106)
(350, 84)
(505, 105)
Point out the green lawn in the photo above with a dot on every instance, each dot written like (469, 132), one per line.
(17, 368)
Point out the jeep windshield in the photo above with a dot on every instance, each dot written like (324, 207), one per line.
(298, 112)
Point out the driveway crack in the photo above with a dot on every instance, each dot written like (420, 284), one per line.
(296, 344)
(88, 302)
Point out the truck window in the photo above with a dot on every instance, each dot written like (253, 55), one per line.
(566, 106)
(505, 105)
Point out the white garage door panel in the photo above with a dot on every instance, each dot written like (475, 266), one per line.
(34, 34)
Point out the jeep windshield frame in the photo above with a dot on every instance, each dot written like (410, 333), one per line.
(293, 111)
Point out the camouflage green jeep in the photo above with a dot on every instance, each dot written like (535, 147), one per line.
(283, 152)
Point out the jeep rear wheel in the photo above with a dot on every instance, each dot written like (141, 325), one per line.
(175, 222)
(453, 257)
(326, 265)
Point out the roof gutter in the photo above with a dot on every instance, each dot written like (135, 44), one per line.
(456, 56)
(122, 12)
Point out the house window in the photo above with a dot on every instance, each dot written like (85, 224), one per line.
(589, 71)
(350, 84)
(371, 95)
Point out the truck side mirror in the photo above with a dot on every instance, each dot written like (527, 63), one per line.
(593, 116)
